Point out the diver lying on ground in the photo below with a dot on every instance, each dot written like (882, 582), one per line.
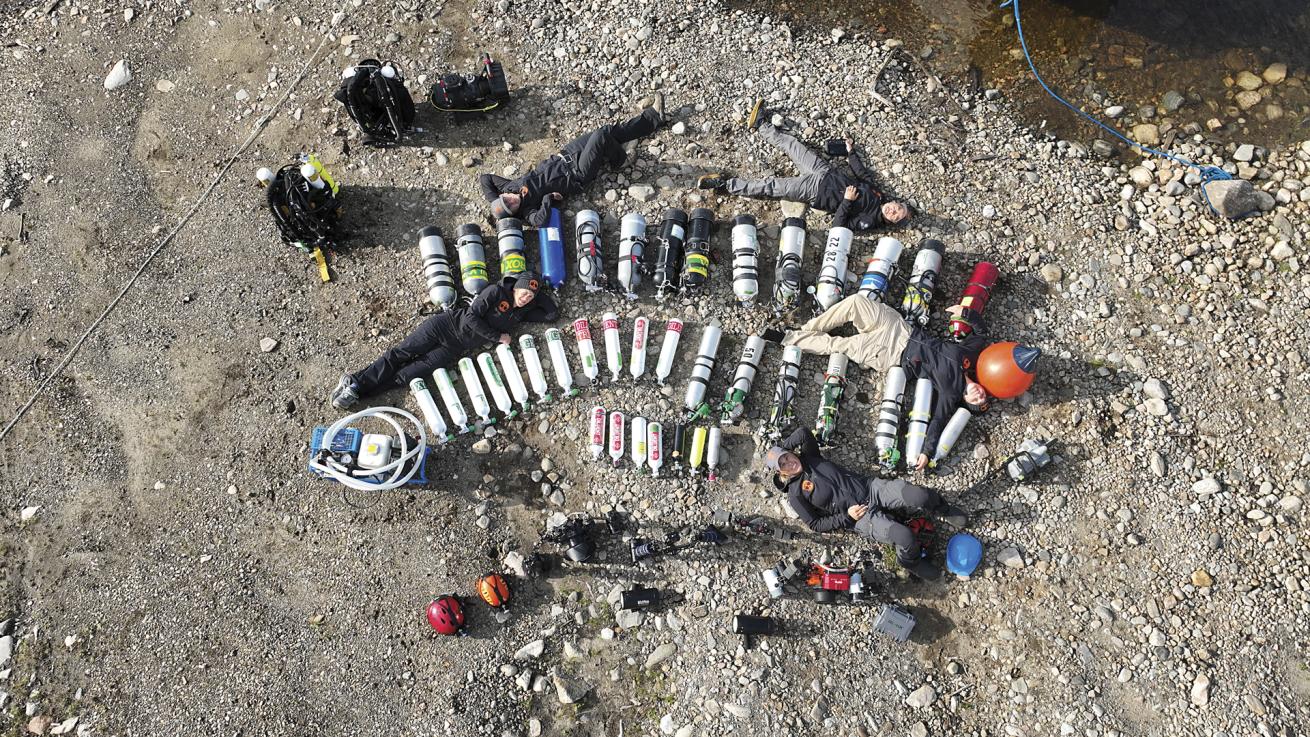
(567, 172)
(854, 199)
(444, 338)
(827, 497)
(884, 339)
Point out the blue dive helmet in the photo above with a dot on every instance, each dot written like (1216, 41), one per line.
(963, 554)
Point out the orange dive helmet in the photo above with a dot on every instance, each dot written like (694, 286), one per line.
(494, 590)
(1006, 370)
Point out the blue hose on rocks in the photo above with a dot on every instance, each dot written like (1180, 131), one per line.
(1208, 173)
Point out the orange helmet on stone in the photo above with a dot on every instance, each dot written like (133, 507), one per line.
(494, 590)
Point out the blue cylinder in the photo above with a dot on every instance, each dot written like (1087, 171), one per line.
(880, 269)
(552, 250)
(873, 281)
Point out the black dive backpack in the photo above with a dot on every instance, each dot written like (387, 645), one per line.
(306, 217)
(375, 97)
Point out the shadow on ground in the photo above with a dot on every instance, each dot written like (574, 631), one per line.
(391, 217)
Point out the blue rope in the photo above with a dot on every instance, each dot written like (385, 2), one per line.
(1208, 173)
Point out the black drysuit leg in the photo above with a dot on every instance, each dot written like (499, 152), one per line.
(604, 146)
(896, 495)
(433, 345)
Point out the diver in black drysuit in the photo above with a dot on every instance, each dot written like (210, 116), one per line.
(828, 497)
(567, 172)
(443, 339)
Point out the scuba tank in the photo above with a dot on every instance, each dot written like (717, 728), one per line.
(745, 257)
(787, 269)
(472, 259)
(679, 446)
(713, 452)
(668, 349)
(632, 253)
(436, 268)
(920, 413)
(637, 441)
(783, 414)
(591, 263)
(609, 323)
(596, 431)
(950, 434)
(509, 241)
(618, 434)
(552, 250)
(831, 285)
(586, 349)
(473, 385)
(974, 299)
(532, 365)
(509, 368)
(640, 336)
(696, 264)
(428, 407)
(559, 361)
(734, 400)
(654, 447)
(889, 418)
(923, 280)
(449, 397)
(880, 269)
(834, 384)
(673, 230)
(496, 383)
(696, 454)
(701, 370)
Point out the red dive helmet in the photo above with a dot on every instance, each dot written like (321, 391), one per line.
(446, 615)
(494, 590)
(1006, 370)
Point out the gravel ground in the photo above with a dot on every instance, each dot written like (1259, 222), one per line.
(170, 567)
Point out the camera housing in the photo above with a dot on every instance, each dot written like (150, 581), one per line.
(480, 92)
(577, 535)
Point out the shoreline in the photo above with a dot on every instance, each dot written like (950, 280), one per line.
(1128, 67)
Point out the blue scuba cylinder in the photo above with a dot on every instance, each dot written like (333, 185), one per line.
(552, 250)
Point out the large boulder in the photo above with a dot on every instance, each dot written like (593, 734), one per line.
(1234, 198)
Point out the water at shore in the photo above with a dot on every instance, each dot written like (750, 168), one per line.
(1106, 53)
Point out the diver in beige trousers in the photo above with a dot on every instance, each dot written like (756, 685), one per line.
(884, 339)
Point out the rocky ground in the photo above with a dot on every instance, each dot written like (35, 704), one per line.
(170, 567)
